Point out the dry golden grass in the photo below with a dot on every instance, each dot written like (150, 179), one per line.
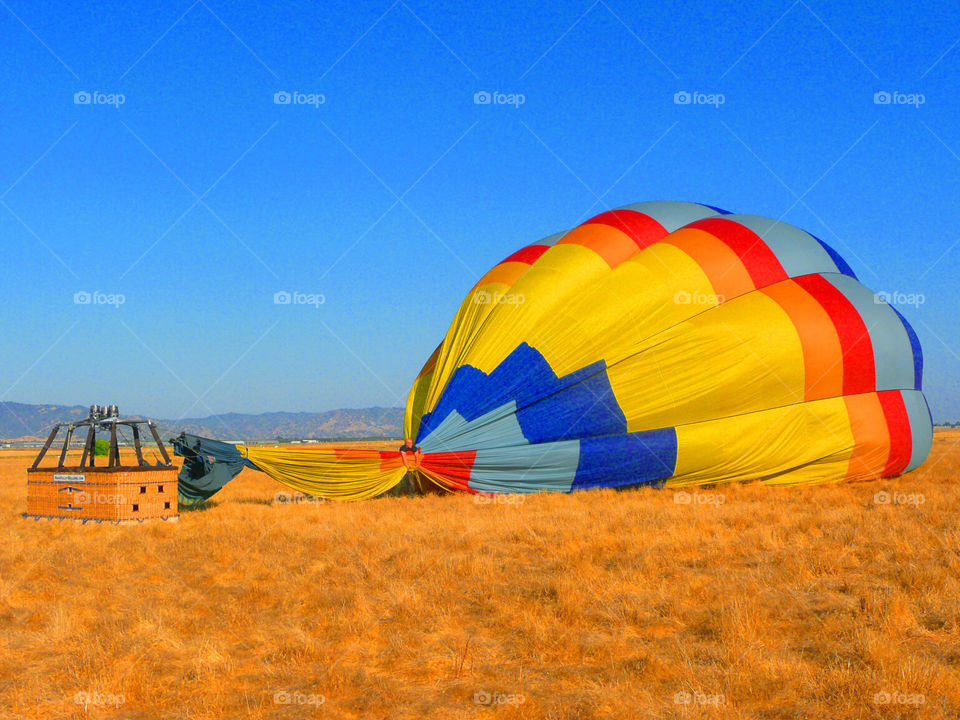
(799, 603)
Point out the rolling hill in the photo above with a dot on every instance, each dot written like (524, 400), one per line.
(20, 421)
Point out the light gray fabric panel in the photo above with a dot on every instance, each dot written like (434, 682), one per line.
(921, 428)
(673, 215)
(892, 353)
(495, 429)
(527, 468)
(798, 251)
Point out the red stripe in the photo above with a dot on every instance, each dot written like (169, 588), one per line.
(898, 425)
(455, 467)
(640, 228)
(756, 256)
(529, 255)
(859, 373)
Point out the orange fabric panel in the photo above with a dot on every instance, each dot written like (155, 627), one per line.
(871, 438)
(822, 355)
(507, 273)
(727, 273)
(611, 244)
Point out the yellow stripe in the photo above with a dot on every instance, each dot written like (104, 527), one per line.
(332, 474)
(742, 356)
(562, 271)
(804, 443)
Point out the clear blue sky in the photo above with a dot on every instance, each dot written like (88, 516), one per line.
(198, 197)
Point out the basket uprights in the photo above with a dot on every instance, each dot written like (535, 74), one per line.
(66, 446)
(156, 437)
(47, 444)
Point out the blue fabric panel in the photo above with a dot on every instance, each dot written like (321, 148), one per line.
(551, 408)
(917, 351)
(719, 210)
(632, 459)
(836, 257)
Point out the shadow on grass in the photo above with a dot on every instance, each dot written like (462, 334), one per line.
(198, 507)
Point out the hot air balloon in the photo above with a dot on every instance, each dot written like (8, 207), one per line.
(661, 343)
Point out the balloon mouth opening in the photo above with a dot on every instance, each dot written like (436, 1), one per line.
(411, 455)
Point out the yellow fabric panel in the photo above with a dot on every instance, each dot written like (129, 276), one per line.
(631, 302)
(471, 315)
(742, 356)
(573, 328)
(803, 443)
(417, 397)
(332, 474)
(416, 402)
(562, 271)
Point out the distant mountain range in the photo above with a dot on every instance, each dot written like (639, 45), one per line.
(21, 421)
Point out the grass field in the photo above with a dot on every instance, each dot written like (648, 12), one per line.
(837, 601)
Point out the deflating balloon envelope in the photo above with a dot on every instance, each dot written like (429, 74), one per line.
(665, 343)
(670, 342)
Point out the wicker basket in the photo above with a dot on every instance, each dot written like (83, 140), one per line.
(115, 494)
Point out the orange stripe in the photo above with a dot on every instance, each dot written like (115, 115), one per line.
(871, 439)
(822, 354)
(722, 266)
(507, 273)
(611, 244)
